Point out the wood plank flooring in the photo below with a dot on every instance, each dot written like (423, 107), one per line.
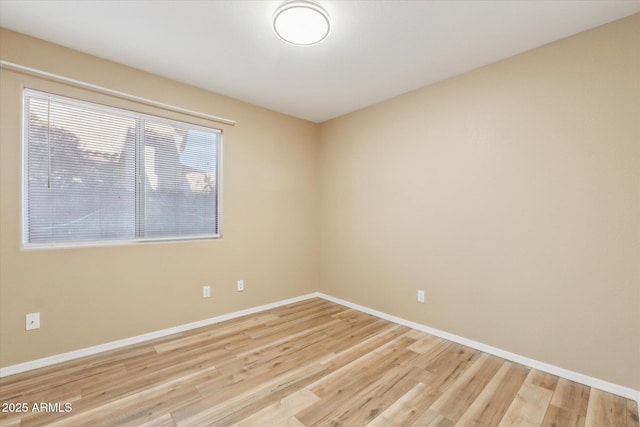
(313, 363)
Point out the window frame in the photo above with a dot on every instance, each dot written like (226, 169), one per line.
(139, 175)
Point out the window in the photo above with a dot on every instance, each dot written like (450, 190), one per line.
(95, 173)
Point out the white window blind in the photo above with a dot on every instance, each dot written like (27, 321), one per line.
(96, 173)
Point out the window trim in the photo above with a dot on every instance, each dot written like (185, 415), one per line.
(113, 242)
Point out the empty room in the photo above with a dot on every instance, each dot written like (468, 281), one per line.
(319, 213)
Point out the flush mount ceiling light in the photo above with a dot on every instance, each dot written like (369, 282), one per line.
(301, 22)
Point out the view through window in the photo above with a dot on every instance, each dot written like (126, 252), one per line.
(96, 173)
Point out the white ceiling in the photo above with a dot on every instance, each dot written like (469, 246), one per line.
(376, 49)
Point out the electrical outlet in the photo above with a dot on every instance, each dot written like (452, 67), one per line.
(206, 291)
(240, 285)
(420, 296)
(33, 321)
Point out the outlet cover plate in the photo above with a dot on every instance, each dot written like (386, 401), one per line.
(33, 321)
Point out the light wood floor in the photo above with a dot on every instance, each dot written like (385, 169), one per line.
(313, 363)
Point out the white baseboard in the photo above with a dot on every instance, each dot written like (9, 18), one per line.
(113, 345)
(545, 367)
(616, 389)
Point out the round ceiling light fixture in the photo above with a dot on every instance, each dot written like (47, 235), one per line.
(301, 22)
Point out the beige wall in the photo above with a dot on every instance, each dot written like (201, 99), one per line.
(90, 296)
(510, 194)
